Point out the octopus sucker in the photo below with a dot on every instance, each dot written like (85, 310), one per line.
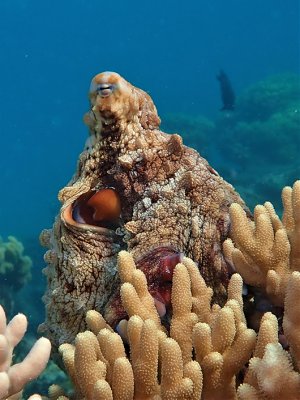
(135, 188)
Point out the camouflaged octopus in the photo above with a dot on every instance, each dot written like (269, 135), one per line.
(135, 188)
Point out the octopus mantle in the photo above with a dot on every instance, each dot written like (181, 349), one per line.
(135, 188)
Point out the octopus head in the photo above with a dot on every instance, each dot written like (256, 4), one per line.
(114, 99)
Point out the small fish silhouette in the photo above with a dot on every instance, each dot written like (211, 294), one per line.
(227, 93)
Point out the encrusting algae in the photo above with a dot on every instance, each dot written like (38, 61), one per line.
(146, 264)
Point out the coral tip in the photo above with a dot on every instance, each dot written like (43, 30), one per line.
(106, 205)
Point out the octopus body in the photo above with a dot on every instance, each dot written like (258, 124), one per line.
(135, 188)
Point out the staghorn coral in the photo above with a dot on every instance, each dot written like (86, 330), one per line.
(13, 378)
(15, 270)
(168, 201)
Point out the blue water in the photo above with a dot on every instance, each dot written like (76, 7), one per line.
(172, 49)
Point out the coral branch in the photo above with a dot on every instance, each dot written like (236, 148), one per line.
(265, 252)
(291, 320)
(134, 291)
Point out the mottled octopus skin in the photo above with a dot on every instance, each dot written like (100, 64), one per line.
(173, 202)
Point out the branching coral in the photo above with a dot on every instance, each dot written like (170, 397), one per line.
(206, 351)
(13, 378)
(267, 251)
(163, 367)
(223, 347)
(271, 374)
(152, 353)
(291, 323)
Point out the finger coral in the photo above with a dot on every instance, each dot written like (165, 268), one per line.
(162, 366)
(14, 377)
(266, 251)
(159, 366)
(273, 373)
(291, 321)
(207, 364)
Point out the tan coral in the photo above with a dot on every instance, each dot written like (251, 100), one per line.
(291, 319)
(276, 379)
(183, 319)
(272, 373)
(224, 346)
(178, 381)
(90, 371)
(201, 293)
(265, 252)
(273, 376)
(291, 221)
(144, 345)
(134, 291)
(163, 367)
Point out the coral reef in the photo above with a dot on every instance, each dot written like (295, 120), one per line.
(267, 251)
(196, 130)
(15, 271)
(166, 200)
(267, 116)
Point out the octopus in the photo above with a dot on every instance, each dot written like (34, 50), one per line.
(135, 188)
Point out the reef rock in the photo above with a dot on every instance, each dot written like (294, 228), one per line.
(139, 189)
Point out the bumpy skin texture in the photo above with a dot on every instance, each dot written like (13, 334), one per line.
(172, 203)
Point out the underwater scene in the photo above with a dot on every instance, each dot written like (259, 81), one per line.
(150, 200)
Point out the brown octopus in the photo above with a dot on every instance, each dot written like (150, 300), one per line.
(135, 188)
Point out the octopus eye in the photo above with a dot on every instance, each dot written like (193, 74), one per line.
(102, 208)
(105, 89)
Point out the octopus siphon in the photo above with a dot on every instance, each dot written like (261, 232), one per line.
(135, 188)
